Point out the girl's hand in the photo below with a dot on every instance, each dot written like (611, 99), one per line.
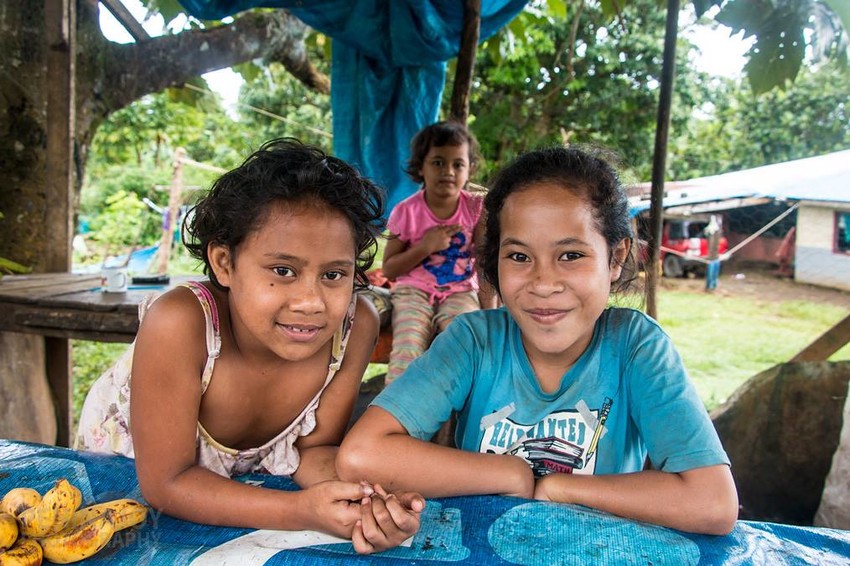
(333, 507)
(439, 238)
(387, 520)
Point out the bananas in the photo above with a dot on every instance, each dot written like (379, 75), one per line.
(126, 513)
(80, 541)
(8, 531)
(54, 528)
(51, 515)
(18, 500)
(26, 552)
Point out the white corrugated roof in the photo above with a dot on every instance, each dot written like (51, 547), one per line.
(822, 178)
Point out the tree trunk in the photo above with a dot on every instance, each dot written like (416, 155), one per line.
(109, 77)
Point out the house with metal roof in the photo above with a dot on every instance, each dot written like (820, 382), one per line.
(759, 206)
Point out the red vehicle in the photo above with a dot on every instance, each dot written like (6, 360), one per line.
(690, 237)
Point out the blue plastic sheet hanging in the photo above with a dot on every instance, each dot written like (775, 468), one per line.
(387, 72)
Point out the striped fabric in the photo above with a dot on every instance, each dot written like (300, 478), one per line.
(416, 320)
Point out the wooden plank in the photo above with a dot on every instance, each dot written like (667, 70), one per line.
(71, 322)
(827, 344)
(42, 280)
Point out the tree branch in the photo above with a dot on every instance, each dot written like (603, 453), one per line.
(275, 35)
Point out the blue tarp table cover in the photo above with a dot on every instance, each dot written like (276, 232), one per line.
(457, 530)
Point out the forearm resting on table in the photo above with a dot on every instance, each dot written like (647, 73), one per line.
(202, 496)
(703, 500)
(400, 462)
(318, 464)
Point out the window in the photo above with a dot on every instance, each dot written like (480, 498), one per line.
(842, 232)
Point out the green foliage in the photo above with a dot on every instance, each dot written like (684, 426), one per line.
(124, 222)
(90, 360)
(600, 88)
(156, 125)
(298, 111)
(9, 266)
(777, 55)
(739, 130)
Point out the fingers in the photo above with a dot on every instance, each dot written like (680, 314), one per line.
(369, 522)
(385, 521)
(349, 491)
(409, 499)
(361, 545)
(405, 520)
(412, 501)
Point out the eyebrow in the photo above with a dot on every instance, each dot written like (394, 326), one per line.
(300, 261)
(562, 242)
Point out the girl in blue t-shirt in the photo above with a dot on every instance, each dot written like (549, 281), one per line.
(559, 397)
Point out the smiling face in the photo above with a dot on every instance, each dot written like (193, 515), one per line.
(290, 281)
(555, 271)
(445, 171)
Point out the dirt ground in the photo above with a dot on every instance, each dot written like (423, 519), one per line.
(760, 282)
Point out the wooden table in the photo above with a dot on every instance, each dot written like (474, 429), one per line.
(62, 306)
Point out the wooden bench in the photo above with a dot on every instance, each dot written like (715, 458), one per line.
(381, 353)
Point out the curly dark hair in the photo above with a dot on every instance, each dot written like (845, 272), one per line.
(440, 134)
(586, 173)
(285, 170)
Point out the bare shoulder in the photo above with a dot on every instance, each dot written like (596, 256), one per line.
(170, 352)
(366, 320)
(174, 322)
(176, 307)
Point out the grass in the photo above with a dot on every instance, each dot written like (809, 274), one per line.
(723, 340)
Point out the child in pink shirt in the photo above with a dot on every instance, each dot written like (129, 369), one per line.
(432, 242)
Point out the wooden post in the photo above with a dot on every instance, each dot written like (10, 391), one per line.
(466, 60)
(175, 198)
(712, 270)
(60, 28)
(659, 160)
(827, 344)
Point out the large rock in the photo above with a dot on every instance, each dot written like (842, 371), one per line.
(781, 429)
(834, 510)
(25, 398)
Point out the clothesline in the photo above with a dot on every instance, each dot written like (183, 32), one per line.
(265, 113)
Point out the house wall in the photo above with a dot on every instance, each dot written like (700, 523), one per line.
(815, 259)
(761, 249)
(741, 223)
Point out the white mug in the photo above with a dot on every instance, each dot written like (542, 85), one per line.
(113, 280)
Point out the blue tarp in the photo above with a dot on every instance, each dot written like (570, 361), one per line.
(387, 72)
(482, 530)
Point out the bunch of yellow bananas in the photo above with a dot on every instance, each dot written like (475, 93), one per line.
(54, 528)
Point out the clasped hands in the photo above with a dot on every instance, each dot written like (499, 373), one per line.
(386, 519)
(372, 518)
